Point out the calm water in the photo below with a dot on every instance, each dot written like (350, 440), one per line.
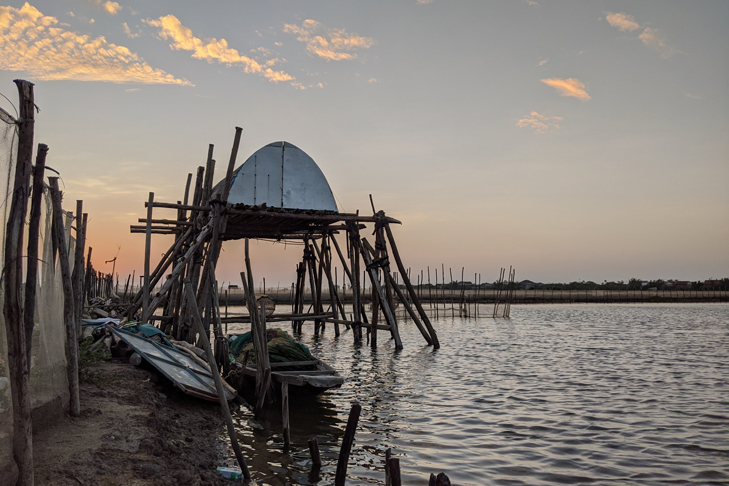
(600, 394)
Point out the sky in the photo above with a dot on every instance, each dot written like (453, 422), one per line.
(573, 140)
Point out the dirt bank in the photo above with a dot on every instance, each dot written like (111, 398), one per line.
(135, 429)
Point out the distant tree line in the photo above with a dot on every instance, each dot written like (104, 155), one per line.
(632, 284)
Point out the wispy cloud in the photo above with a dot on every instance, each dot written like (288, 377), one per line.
(373, 80)
(622, 21)
(129, 33)
(33, 42)
(539, 123)
(170, 28)
(424, 2)
(650, 36)
(543, 62)
(693, 96)
(329, 44)
(112, 8)
(568, 87)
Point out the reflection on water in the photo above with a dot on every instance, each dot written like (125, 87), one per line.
(606, 394)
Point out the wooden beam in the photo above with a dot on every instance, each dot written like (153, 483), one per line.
(309, 217)
(185, 207)
(166, 221)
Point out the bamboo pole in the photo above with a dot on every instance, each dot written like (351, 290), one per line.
(68, 302)
(218, 381)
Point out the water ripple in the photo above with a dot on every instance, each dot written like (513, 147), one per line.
(589, 394)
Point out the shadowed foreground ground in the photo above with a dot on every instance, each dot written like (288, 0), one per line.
(134, 429)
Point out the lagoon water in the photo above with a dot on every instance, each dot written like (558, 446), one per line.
(557, 394)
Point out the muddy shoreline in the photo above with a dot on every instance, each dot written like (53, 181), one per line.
(135, 428)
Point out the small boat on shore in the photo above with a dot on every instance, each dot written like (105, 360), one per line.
(291, 363)
(316, 375)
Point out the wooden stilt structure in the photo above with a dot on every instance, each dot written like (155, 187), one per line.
(202, 222)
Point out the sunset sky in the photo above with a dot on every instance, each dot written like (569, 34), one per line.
(574, 140)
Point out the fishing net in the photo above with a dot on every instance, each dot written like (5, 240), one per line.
(281, 348)
(48, 382)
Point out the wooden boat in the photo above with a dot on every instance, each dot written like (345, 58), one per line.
(311, 376)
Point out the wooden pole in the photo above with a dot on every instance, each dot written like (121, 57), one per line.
(353, 234)
(347, 442)
(409, 286)
(77, 277)
(33, 233)
(377, 254)
(68, 302)
(146, 312)
(388, 455)
(258, 330)
(314, 451)
(412, 312)
(374, 279)
(169, 257)
(381, 249)
(216, 377)
(325, 257)
(231, 164)
(13, 303)
(285, 415)
(393, 465)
